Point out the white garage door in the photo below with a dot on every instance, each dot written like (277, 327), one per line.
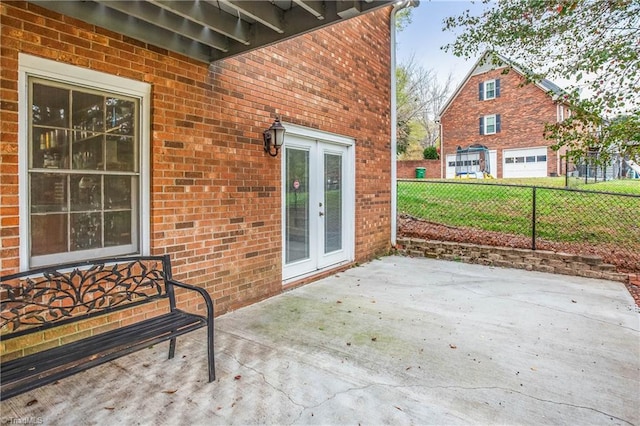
(451, 164)
(520, 163)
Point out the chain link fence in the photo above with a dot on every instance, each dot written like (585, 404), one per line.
(594, 169)
(573, 221)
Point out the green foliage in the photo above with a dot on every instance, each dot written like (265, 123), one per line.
(402, 98)
(404, 131)
(592, 44)
(403, 18)
(414, 147)
(586, 133)
(430, 153)
(419, 95)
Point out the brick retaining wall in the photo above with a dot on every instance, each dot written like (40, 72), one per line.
(508, 257)
(634, 287)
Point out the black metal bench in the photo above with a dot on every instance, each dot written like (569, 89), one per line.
(40, 299)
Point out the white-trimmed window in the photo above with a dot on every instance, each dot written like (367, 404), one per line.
(84, 174)
(490, 124)
(489, 89)
(560, 113)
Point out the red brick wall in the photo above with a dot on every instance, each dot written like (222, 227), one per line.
(215, 196)
(524, 110)
(407, 169)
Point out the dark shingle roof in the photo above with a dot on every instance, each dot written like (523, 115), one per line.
(551, 86)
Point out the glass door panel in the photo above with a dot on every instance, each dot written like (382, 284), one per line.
(333, 199)
(297, 203)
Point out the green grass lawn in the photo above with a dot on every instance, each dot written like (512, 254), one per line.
(564, 216)
(624, 186)
(627, 186)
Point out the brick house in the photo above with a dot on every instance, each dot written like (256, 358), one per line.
(493, 108)
(114, 145)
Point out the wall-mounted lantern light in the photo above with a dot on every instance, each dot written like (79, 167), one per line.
(274, 137)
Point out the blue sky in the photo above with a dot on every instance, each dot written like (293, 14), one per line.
(424, 37)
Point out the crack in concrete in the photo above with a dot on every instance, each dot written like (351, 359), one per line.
(348, 390)
(264, 379)
(467, 388)
(528, 396)
(553, 309)
(587, 317)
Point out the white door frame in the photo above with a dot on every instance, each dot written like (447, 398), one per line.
(320, 142)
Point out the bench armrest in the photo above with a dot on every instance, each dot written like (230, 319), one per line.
(203, 293)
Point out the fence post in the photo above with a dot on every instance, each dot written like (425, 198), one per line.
(533, 220)
(586, 172)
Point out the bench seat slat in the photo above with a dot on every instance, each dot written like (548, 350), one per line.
(52, 364)
(110, 340)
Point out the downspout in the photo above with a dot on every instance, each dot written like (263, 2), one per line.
(394, 117)
(443, 160)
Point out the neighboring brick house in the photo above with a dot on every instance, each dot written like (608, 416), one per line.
(112, 146)
(493, 108)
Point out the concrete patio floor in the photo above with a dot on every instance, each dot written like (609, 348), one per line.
(396, 341)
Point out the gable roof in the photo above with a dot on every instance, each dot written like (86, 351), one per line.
(491, 61)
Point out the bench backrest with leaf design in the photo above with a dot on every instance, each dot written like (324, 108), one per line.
(40, 299)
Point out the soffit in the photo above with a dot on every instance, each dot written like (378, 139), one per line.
(210, 30)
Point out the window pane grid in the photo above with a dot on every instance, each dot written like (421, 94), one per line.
(490, 89)
(490, 124)
(528, 159)
(83, 170)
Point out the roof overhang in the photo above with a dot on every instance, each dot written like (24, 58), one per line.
(210, 30)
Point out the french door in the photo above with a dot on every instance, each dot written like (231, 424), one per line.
(318, 205)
